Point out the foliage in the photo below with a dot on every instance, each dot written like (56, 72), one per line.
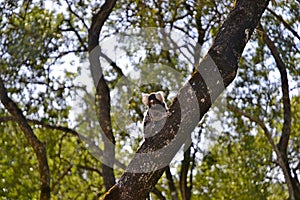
(236, 168)
(43, 46)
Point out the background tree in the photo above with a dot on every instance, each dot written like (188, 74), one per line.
(42, 46)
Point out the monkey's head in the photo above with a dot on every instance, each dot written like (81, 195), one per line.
(154, 99)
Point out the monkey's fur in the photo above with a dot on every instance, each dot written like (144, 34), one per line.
(156, 114)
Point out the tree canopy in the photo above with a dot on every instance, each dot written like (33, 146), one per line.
(72, 76)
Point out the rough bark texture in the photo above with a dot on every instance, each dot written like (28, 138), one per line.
(191, 103)
(38, 147)
(102, 93)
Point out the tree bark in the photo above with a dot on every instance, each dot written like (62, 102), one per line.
(217, 70)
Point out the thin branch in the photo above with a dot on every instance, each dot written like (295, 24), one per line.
(286, 129)
(280, 157)
(113, 64)
(292, 183)
(256, 120)
(89, 168)
(286, 25)
(76, 15)
(173, 191)
(158, 194)
(193, 165)
(61, 177)
(73, 29)
(185, 165)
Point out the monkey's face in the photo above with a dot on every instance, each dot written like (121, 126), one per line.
(154, 100)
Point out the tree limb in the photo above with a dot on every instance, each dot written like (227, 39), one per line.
(286, 129)
(283, 163)
(173, 191)
(113, 64)
(185, 165)
(293, 185)
(102, 92)
(158, 194)
(98, 21)
(76, 15)
(286, 25)
(257, 121)
(38, 147)
(96, 151)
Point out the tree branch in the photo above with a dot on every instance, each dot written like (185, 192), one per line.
(185, 165)
(158, 194)
(257, 121)
(293, 185)
(286, 129)
(98, 22)
(113, 64)
(38, 147)
(76, 15)
(286, 25)
(173, 191)
(102, 92)
(80, 39)
(96, 151)
(283, 163)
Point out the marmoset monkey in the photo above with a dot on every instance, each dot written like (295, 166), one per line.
(156, 114)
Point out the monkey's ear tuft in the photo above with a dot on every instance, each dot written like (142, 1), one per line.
(145, 99)
(160, 96)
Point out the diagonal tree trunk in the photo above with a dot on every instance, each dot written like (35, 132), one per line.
(217, 70)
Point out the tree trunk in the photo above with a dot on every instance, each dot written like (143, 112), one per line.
(102, 93)
(217, 70)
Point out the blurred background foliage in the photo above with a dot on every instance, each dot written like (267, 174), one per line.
(44, 58)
